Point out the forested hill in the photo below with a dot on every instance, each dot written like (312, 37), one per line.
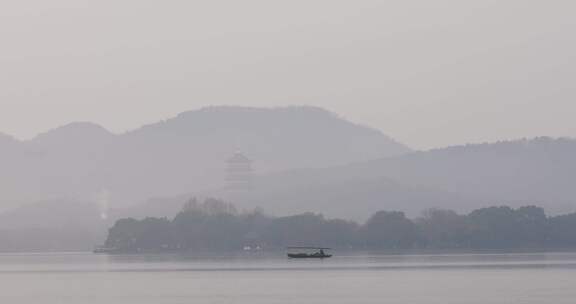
(539, 171)
(179, 155)
(528, 171)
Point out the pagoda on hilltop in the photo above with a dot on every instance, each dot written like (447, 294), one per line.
(239, 172)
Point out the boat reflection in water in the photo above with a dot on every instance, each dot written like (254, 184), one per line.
(308, 253)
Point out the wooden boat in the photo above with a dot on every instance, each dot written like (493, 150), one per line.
(308, 256)
(317, 253)
(103, 249)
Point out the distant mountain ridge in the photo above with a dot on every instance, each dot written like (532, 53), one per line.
(73, 131)
(307, 159)
(539, 171)
(5, 138)
(185, 153)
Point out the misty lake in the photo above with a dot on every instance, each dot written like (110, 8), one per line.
(347, 278)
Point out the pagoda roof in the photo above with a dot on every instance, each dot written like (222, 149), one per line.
(239, 158)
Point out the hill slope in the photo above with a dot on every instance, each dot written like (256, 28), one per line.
(541, 171)
(186, 153)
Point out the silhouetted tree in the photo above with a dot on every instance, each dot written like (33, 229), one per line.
(443, 229)
(562, 231)
(389, 229)
(533, 227)
(154, 233)
(493, 227)
(216, 225)
(124, 234)
(303, 229)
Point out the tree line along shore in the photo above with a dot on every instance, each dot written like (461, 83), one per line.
(217, 225)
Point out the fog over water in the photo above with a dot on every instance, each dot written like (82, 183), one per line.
(349, 278)
(164, 152)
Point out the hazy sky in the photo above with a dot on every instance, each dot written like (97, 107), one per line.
(428, 73)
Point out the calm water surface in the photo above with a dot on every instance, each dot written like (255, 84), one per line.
(347, 278)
